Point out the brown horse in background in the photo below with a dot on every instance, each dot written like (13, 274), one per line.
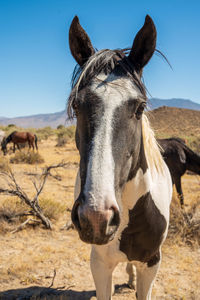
(17, 138)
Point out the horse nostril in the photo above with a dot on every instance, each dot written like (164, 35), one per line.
(115, 218)
(75, 216)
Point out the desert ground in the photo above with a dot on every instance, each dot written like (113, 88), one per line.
(38, 263)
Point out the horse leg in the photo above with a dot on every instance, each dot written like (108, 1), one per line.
(13, 147)
(177, 180)
(131, 271)
(18, 147)
(145, 279)
(102, 275)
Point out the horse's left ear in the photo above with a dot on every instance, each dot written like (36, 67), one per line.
(79, 42)
(144, 45)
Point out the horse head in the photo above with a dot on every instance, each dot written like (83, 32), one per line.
(108, 99)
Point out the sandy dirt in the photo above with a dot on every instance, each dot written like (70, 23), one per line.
(41, 264)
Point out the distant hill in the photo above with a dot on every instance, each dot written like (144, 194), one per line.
(172, 121)
(38, 121)
(55, 119)
(174, 102)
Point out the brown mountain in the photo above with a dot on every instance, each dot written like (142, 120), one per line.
(172, 121)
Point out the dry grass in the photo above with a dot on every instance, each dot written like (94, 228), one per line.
(52, 209)
(27, 158)
(12, 213)
(4, 165)
(64, 135)
(29, 257)
(185, 225)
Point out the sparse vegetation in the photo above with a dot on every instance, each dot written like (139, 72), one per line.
(44, 133)
(51, 208)
(41, 251)
(193, 142)
(60, 126)
(11, 187)
(30, 157)
(64, 135)
(12, 212)
(185, 226)
(4, 165)
(10, 128)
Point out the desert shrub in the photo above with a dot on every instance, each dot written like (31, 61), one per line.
(185, 226)
(51, 208)
(12, 208)
(44, 133)
(62, 138)
(9, 129)
(60, 126)
(11, 125)
(12, 212)
(64, 135)
(27, 158)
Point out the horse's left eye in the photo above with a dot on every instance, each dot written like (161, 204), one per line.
(139, 111)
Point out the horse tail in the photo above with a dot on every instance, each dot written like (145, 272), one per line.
(36, 140)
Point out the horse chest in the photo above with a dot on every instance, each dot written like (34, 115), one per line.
(142, 237)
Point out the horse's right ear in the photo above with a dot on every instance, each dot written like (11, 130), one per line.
(79, 42)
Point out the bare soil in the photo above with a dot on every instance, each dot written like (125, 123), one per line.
(41, 264)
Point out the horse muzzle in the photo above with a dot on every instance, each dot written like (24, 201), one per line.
(95, 226)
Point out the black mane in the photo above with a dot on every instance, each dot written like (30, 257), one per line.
(9, 137)
(102, 61)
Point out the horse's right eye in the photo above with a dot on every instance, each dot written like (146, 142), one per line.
(140, 110)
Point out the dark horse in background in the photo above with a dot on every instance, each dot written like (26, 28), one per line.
(179, 158)
(17, 138)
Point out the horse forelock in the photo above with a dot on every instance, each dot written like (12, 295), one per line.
(103, 61)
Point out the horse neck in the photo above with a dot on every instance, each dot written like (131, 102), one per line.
(8, 139)
(135, 188)
(139, 181)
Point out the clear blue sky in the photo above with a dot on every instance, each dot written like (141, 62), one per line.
(36, 64)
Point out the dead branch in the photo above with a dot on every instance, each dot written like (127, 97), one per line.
(53, 278)
(21, 226)
(68, 226)
(14, 189)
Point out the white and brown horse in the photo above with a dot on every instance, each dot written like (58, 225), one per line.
(123, 187)
(17, 137)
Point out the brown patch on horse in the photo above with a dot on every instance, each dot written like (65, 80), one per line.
(141, 239)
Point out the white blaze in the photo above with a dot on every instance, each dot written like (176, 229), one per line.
(99, 187)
